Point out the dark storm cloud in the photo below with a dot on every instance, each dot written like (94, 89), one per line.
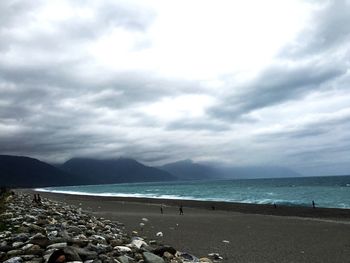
(276, 85)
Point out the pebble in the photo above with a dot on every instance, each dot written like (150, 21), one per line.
(152, 258)
(53, 225)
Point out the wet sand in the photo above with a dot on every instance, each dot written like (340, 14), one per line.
(255, 233)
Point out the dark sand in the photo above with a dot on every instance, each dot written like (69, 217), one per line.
(256, 233)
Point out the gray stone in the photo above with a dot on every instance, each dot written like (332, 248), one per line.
(36, 228)
(35, 260)
(17, 244)
(79, 242)
(14, 260)
(123, 259)
(152, 258)
(27, 257)
(74, 230)
(85, 254)
(27, 246)
(71, 254)
(21, 237)
(52, 234)
(99, 248)
(161, 250)
(40, 239)
(168, 255)
(188, 257)
(35, 250)
(4, 247)
(15, 252)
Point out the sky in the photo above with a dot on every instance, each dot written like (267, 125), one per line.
(236, 82)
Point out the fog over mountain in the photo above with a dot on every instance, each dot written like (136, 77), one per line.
(20, 171)
(189, 170)
(243, 83)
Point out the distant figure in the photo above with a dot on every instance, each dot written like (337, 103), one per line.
(313, 204)
(274, 205)
(39, 199)
(161, 209)
(212, 207)
(181, 210)
(35, 200)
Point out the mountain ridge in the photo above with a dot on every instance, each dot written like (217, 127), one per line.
(22, 171)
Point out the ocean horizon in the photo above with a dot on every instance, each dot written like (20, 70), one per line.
(325, 191)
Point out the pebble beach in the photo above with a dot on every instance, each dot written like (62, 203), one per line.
(133, 230)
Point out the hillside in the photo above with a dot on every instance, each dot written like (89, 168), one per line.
(122, 170)
(18, 171)
(188, 170)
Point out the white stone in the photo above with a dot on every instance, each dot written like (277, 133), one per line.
(14, 260)
(138, 243)
(28, 246)
(98, 237)
(17, 244)
(122, 249)
(58, 245)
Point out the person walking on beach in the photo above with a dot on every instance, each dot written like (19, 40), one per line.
(181, 210)
(161, 209)
(35, 200)
(313, 204)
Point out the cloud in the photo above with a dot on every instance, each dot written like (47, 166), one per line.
(276, 85)
(131, 78)
(327, 31)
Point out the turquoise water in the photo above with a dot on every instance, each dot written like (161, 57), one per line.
(326, 191)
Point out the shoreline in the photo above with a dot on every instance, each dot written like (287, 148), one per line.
(246, 208)
(238, 232)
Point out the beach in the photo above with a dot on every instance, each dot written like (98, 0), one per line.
(238, 232)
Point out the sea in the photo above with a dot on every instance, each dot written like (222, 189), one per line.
(330, 191)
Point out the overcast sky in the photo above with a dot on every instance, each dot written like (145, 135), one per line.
(239, 82)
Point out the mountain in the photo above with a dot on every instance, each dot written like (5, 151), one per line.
(19, 171)
(122, 170)
(189, 170)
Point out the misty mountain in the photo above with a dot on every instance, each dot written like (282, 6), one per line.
(18, 171)
(122, 170)
(189, 170)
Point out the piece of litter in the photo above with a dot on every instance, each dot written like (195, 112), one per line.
(159, 234)
(226, 241)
